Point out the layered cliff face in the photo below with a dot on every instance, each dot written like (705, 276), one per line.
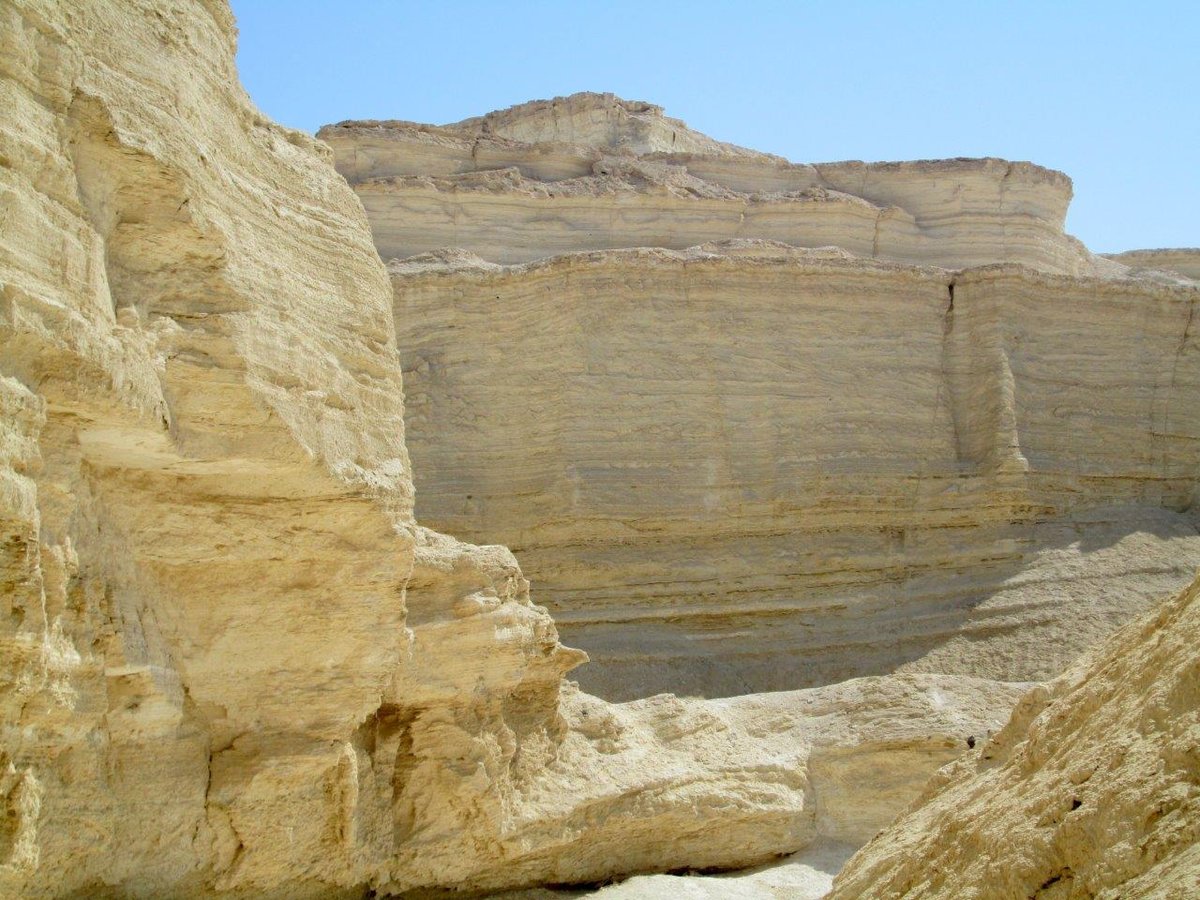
(1091, 790)
(208, 502)
(233, 663)
(747, 467)
(738, 462)
(594, 172)
(1183, 261)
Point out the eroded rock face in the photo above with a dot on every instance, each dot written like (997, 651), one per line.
(665, 783)
(1183, 261)
(751, 467)
(749, 464)
(1091, 790)
(234, 664)
(593, 172)
(207, 502)
(232, 661)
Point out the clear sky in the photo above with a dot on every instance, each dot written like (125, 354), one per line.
(1107, 92)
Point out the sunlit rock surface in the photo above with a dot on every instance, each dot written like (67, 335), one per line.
(751, 467)
(595, 172)
(1183, 261)
(234, 662)
(1091, 790)
(766, 450)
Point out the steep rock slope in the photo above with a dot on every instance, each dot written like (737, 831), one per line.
(232, 662)
(593, 171)
(1091, 790)
(751, 467)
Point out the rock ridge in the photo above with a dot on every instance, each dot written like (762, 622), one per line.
(1183, 261)
(528, 174)
(1089, 790)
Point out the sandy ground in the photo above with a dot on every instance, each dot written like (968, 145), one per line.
(806, 875)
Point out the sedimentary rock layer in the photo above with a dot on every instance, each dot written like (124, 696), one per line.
(1091, 790)
(1180, 261)
(232, 662)
(749, 467)
(592, 172)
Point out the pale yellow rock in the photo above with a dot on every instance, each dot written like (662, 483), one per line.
(593, 171)
(664, 783)
(233, 664)
(749, 467)
(750, 464)
(1091, 790)
(1179, 261)
(207, 502)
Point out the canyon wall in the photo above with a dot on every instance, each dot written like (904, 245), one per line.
(763, 462)
(232, 662)
(236, 663)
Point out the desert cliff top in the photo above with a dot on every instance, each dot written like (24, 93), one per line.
(607, 122)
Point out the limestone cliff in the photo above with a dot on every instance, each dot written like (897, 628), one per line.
(232, 661)
(751, 467)
(235, 664)
(1091, 790)
(207, 500)
(785, 455)
(592, 172)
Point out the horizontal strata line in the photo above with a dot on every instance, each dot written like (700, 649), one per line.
(567, 616)
(639, 258)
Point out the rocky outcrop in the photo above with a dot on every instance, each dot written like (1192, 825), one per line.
(594, 172)
(751, 467)
(666, 784)
(233, 663)
(207, 510)
(1091, 790)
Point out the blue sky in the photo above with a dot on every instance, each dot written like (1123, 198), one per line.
(1107, 92)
